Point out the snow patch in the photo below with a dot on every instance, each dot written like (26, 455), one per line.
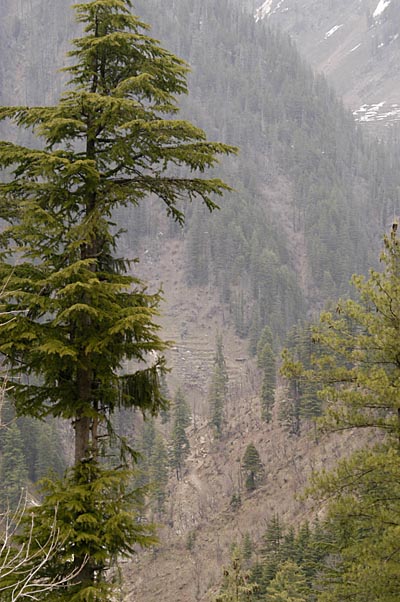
(263, 11)
(382, 5)
(278, 6)
(373, 113)
(332, 31)
(266, 9)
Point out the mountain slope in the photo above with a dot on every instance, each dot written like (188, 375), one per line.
(312, 199)
(355, 43)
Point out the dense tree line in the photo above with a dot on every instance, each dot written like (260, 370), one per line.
(285, 565)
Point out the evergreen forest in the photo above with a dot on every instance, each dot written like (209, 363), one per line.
(193, 127)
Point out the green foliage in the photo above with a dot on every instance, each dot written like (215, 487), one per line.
(151, 473)
(236, 586)
(41, 446)
(271, 550)
(219, 388)
(158, 475)
(288, 567)
(302, 399)
(49, 456)
(112, 140)
(180, 446)
(266, 363)
(145, 446)
(96, 518)
(80, 314)
(305, 550)
(294, 136)
(288, 585)
(356, 368)
(363, 522)
(235, 501)
(252, 467)
(164, 412)
(357, 371)
(13, 469)
(247, 548)
(191, 541)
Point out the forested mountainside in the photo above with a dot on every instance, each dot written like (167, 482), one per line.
(312, 198)
(355, 43)
(311, 191)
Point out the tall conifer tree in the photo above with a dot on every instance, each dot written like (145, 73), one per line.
(218, 388)
(108, 143)
(180, 446)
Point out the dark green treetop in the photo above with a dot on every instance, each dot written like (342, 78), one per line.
(252, 467)
(180, 446)
(289, 585)
(218, 388)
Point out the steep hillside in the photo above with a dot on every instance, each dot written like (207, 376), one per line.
(311, 193)
(355, 43)
(312, 199)
(201, 521)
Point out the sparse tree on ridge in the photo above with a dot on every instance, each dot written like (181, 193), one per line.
(252, 467)
(180, 446)
(218, 388)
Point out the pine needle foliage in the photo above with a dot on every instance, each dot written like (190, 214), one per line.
(180, 446)
(357, 371)
(112, 140)
(236, 586)
(218, 388)
(91, 512)
(252, 467)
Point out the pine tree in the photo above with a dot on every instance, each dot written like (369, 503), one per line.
(236, 585)
(271, 551)
(289, 585)
(158, 475)
(247, 548)
(218, 388)
(180, 446)
(252, 467)
(357, 371)
(91, 509)
(151, 474)
(13, 470)
(145, 447)
(108, 143)
(302, 400)
(266, 362)
(164, 412)
(266, 338)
